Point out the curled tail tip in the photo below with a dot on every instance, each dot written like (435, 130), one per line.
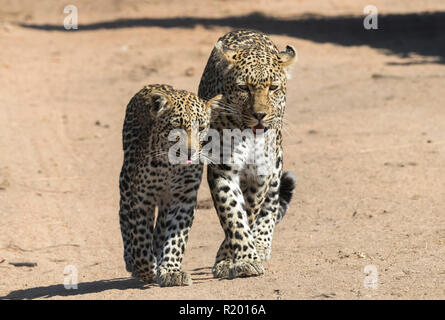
(287, 188)
(288, 184)
(290, 176)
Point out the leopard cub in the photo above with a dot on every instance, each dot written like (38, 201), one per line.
(154, 245)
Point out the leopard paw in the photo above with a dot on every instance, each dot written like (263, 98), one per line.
(221, 269)
(174, 278)
(145, 276)
(243, 268)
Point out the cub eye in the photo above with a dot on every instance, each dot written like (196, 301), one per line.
(243, 87)
(273, 87)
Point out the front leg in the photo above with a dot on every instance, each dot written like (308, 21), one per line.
(141, 220)
(124, 216)
(137, 215)
(237, 256)
(178, 221)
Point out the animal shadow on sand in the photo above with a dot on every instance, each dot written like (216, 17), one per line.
(59, 290)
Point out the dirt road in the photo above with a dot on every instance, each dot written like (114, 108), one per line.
(365, 136)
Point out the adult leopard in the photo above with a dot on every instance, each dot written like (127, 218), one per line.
(251, 73)
(149, 179)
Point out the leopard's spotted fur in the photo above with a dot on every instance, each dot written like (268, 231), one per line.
(249, 71)
(149, 180)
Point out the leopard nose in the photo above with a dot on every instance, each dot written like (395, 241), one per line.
(259, 115)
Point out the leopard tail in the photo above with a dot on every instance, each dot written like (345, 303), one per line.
(287, 188)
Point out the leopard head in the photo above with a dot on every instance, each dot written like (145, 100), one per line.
(181, 117)
(255, 82)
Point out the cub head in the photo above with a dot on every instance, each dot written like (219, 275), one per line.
(182, 120)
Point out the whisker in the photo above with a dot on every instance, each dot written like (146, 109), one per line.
(227, 108)
(208, 159)
(155, 154)
(225, 105)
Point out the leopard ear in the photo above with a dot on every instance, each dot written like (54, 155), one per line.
(214, 102)
(288, 57)
(225, 53)
(159, 102)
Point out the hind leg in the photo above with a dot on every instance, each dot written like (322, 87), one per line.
(264, 219)
(272, 211)
(263, 229)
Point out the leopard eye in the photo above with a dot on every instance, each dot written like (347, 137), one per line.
(273, 87)
(243, 87)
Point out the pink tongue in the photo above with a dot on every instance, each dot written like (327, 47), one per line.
(189, 161)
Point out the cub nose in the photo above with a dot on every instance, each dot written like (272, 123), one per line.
(259, 115)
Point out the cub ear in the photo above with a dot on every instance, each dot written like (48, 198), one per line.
(288, 57)
(158, 102)
(225, 53)
(214, 102)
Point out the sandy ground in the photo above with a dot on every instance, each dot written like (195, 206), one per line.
(365, 135)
